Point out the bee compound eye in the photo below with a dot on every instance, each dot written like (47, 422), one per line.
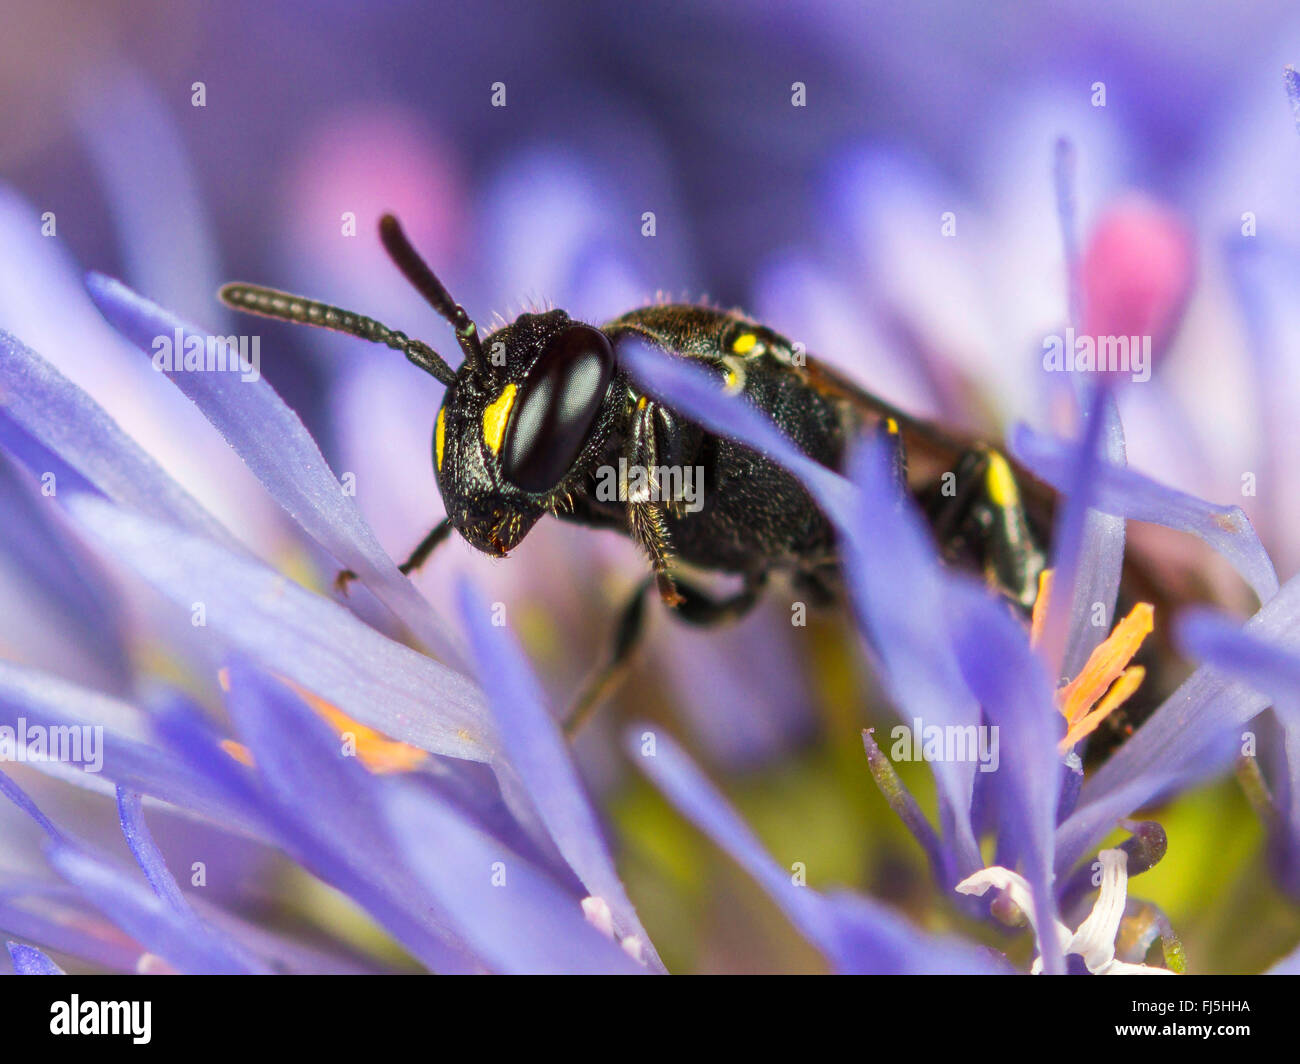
(557, 407)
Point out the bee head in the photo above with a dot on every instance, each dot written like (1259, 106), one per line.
(520, 425)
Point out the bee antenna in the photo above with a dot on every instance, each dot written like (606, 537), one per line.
(417, 271)
(270, 303)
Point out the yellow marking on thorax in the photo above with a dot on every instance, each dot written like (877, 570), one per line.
(495, 417)
(891, 426)
(440, 436)
(744, 343)
(1001, 482)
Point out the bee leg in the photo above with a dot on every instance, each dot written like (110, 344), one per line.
(605, 680)
(702, 609)
(988, 500)
(696, 607)
(646, 512)
(418, 557)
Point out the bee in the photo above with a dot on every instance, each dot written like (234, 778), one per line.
(540, 418)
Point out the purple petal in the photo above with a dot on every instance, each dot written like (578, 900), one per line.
(61, 417)
(903, 609)
(516, 918)
(186, 944)
(854, 934)
(1291, 79)
(129, 754)
(1220, 642)
(57, 916)
(62, 613)
(146, 917)
(328, 810)
(535, 750)
(28, 960)
(275, 445)
(301, 635)
(1069, 527)
(1012, 684)
(1131, 495)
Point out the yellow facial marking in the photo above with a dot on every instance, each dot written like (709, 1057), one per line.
(744, 343)
(1001, 482)
(439, 436)
(495, 418)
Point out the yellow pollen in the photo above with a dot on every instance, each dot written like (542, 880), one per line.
(495, 418)
(1107, 680)
(744, 343)
(1001, 482)
(439, 436)
(378, 753)
(891, 426)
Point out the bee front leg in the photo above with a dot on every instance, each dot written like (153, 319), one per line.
(437, 535)
(695, 607)
(641, 489)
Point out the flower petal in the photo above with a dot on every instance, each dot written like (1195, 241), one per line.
(854, 934)
(309, 639)
(1095, 938)
(517, 919)
(275, 445)
(61, 417)
(28, 960)
(536, 751)
(1128, 494)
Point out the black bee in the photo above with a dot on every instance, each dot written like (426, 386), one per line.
(541, 419)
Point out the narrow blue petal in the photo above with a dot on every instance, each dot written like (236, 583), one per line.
(28, 960)
(328, 809)
(1070, 526)
(903, 610)
(536, 751)
(1128, 494)
(1291, 79)
(126, 753)
(1220, 642)
(57, 916)
(276, 446)
(62, 610)
(856, 935)
(1011, 682)
(137, 910)
(183, 943)
(130, 814)
(23, 801)
(515, 917)
(63, 418)
(1183, 728)
(298, 634)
